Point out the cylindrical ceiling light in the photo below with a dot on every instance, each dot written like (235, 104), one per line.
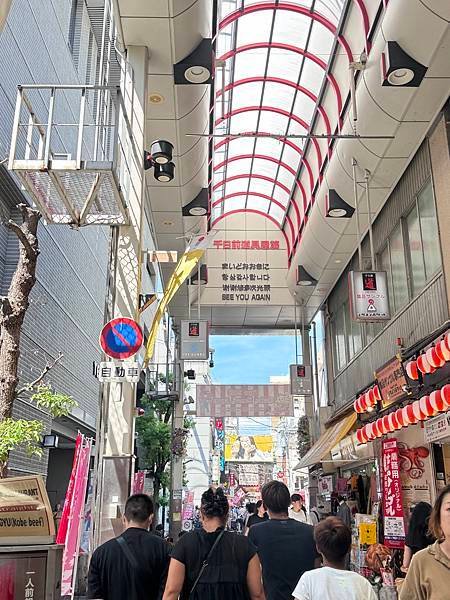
(161, 152)
(164, 172)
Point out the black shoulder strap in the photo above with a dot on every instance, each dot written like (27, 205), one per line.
(130, 557)
(205, 562)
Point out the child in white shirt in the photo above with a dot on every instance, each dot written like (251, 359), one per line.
(332, 581)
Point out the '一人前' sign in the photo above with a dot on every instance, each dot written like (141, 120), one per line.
(25, 512)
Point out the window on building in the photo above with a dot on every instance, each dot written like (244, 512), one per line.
(429, 231)
(340, 343)
(423, 240)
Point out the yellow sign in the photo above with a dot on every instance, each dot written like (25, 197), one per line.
(249, 448)
(24, 510)
(368, 533)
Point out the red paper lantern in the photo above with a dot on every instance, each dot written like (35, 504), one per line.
(370, 431)
(393, 423)
(436, 401)
(433, 358)
(425, 406)
(377, 393)
(356, 405)
(445, 395)
(399, 417)
(371, 395)
(411, 370)
(424, 365)
(385, 424)
(375, 428)
(442, 350)
(420, 416)
(410, 415)
(447, 340)
(361, 435)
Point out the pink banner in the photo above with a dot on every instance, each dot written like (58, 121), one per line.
(70, 554)
(138, 482)
(62, 529)
(394, 524)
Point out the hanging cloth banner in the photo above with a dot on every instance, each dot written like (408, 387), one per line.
(62, 529)
(184, 268)
(394, 524)
(71, 549)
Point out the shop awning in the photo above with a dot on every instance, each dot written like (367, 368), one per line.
(327, 440)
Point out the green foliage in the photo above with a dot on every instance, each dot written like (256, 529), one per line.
(154, 433)
(57, 404)
(163, 500)
(303, 437)
(20, 432)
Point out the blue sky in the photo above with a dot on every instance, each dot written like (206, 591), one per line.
(240, 359)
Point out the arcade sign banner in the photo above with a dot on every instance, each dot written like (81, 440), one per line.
(394, 524)
(244, 401)
(368, 293)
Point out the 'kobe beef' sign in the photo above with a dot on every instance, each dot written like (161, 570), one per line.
(391, 381)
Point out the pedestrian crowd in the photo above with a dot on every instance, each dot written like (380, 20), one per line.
(284, 554)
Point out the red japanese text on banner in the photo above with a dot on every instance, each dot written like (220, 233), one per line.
(394, 524)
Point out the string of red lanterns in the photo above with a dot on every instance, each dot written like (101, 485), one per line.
(419, 410)
(367, 401)
(434, 358)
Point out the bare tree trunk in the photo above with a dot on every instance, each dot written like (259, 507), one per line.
(14, 306)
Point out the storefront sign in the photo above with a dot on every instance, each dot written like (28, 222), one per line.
(391, 381)
(244, 401)
(246, 244)
(194, 340)
(368, 533)
(368, 296)
(416, 471)
(325, 485)
(138, 482)
(118, 372)
(438, 428)
(394, 525)
(25, 512)
(301, 380)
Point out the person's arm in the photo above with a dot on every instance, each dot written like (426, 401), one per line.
(254, 583)
(175, 580)
(407, 555)
(95, 589)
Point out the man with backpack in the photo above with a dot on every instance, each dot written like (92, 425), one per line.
(134, 565)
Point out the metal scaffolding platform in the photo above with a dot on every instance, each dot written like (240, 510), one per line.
(69, 147)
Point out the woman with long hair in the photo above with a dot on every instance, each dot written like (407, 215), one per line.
(428, 576)
(418, 536)
(211, 563)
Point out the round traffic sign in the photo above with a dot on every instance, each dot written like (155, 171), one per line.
(121, 338)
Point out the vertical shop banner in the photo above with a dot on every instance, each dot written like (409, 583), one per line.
(394, 524)
(62, 529)
(70, 554)
(138, 482)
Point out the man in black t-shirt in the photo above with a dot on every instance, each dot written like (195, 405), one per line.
(134, 565)
(286, 548)
(259, 516)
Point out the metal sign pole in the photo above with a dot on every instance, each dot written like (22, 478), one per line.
(369, 211)
(358, 224)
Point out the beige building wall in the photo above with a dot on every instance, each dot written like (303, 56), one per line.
(440, 163)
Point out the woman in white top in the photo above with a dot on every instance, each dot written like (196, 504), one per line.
(332, 581)
(297, 510)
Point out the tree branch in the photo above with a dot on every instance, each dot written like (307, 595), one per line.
(46, 369)
(22, 238)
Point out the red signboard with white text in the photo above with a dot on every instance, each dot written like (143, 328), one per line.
(394, 523)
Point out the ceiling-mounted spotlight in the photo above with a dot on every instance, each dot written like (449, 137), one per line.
(304, 278)
(160, 157)
(196, 68)
(161, 151)
(164, 173)
(198, 206)
(203, 276)
(337, 207)
(399, 69)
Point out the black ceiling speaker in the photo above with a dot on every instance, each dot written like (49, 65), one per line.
(198, 207)
(203, 276)
(399, 69)
(165, 172)
(337, 207)
(197, 68)
(304, 278)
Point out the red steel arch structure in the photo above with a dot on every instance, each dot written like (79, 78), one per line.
(276, 59)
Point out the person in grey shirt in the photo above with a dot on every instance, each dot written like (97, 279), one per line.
(344, 512)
